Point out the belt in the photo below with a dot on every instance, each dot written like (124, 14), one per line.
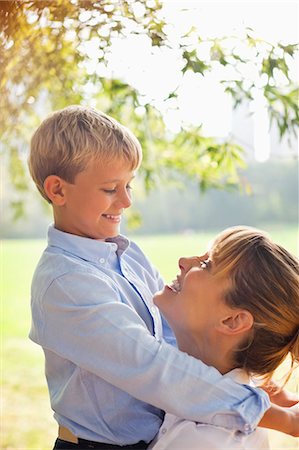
(66, 435)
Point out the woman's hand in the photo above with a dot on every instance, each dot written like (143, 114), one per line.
(282, 419)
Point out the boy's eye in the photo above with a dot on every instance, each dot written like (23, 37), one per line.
(113, 191)
(109, 191)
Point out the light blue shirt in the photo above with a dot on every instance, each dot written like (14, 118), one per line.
(109, 369)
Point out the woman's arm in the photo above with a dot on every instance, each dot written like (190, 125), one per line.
(282, 419)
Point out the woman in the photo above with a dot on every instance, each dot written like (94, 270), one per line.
(236, 308)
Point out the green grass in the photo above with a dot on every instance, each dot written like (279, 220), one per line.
(26, 420)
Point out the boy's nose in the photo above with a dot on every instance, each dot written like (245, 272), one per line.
(125, 199)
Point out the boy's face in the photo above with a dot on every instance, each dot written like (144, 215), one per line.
(94, 203)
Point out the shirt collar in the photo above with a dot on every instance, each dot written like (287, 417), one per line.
(239, 375)
(86, 248)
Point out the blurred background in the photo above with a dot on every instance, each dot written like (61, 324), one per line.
(210, 90)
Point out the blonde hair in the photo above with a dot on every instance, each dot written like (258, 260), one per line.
(68, 139)
(265, 281)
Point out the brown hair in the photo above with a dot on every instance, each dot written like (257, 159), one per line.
(265, 281)
(68, 139)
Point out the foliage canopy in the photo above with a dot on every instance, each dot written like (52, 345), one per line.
(45, 60)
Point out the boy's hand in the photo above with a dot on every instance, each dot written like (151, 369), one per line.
(295, 412)
(294, 421)
(284, 398)
(280, 397)
(282, 419)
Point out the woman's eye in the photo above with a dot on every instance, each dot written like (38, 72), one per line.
(109, 191)
(205, 264)
(129, 187)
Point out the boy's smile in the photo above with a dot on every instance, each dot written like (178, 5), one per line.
(115, 219)
(94, 203)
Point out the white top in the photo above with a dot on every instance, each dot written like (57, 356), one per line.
(179, 434)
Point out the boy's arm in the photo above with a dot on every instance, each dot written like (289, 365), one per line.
(281, 397)
(83, 320)
(282, 419)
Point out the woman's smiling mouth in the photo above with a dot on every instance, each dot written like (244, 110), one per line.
(175, 285)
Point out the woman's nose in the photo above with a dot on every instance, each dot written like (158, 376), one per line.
(184, 264)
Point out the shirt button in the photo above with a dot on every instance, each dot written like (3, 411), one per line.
(153, 310)
(247, 427)
(102, 260)
(164, 430)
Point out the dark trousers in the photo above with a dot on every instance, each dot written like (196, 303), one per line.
(86, 445)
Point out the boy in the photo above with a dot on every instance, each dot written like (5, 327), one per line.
(109, 369)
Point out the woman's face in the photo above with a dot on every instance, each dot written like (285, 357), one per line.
(194, 303)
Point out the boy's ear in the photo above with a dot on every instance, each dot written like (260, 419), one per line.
(54, 188)
(236, 323)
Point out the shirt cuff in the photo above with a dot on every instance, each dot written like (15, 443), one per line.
(245, 416)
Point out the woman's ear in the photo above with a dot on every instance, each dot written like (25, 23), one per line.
(54, 188)
(237, 322)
